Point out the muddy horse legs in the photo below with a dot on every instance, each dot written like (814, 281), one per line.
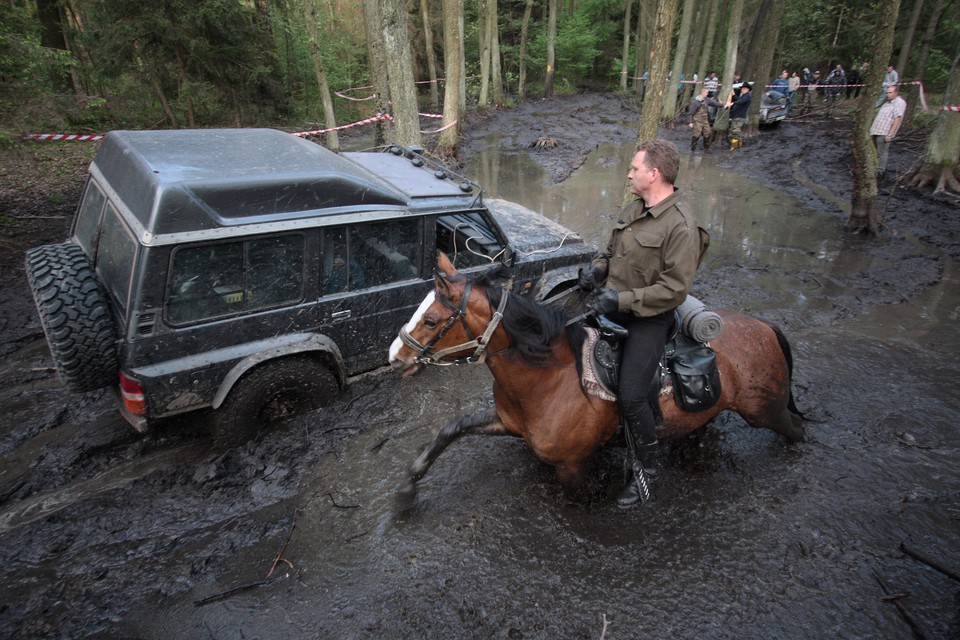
(482, 423)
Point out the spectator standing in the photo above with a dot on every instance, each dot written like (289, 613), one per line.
(853, 82)
(793, 85)
(886, 124)
(891, 78)
(711, 83)
(782, 84)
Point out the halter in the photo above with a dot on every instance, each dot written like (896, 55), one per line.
(425, 354)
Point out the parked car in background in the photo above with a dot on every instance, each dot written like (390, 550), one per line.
(248, 273)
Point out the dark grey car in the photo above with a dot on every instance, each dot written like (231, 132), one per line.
(251, 272)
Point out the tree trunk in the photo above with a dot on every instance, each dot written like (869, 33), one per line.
(320, 72)
(670, 98)
(940, 162)
(928, 36)
(395, 32)
(645, 20)
(907, 43)
(730, 63)
(693, 53)
(658, 57)
(627, 10)
(524, 33)
(493, 36)
(431, 55)
(707, 52)
(763, 43)
(453, 64)
(483, 41)
(551, 54)
(863, 214)
(377, 63)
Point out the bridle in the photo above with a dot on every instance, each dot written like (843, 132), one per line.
(425, 353)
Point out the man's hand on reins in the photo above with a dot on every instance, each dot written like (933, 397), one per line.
(607, 301)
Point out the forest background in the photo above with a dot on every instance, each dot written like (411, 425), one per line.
(88, 66)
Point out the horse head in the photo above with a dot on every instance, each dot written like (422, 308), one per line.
(453, 324)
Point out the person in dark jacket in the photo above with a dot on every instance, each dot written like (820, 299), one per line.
(739, 106)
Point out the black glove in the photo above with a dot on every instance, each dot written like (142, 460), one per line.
(589, 278)
(607, 301)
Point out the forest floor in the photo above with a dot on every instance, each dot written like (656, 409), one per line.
(104, 533)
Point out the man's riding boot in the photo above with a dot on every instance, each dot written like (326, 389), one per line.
(642, 472)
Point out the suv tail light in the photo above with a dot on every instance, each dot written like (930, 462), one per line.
(132, 394)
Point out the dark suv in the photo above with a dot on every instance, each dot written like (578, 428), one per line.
(252, 272)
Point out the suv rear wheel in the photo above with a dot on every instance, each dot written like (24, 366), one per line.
(270, 394)
(75, 313)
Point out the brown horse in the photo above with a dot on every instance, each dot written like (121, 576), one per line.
(537, 391)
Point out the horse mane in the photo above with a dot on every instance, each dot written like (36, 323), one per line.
(531, 326)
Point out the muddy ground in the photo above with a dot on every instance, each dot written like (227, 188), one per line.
(104, 533)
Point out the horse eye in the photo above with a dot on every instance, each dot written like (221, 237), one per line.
(429, 324)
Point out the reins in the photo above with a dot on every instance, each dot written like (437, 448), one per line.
(479, 345)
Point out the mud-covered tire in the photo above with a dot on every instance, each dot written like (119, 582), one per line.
(74, 310)
(270, 394)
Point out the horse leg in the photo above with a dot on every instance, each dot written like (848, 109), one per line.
(787, 424)
(482, 423)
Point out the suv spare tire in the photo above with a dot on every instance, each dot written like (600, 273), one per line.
(75, 313)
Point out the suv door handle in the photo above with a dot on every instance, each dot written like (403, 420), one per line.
(340, 315)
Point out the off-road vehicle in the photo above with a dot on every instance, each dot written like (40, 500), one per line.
(252, 273)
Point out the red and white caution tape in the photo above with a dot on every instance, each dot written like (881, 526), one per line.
(443, 128)
(73, 137)
(950, 108)
(317, 132)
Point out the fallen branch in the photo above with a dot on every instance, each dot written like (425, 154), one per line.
(895, 599)
(280, 557)
(223, 595)
(606, 623)
(913, 553)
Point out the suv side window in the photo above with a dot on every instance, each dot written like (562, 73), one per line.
(88, 218)
(368, 255)
(216, 280)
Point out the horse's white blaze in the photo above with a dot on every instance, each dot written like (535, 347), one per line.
(412, 324)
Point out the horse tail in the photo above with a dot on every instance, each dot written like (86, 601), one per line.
(788, 355)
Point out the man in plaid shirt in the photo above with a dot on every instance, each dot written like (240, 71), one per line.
(886, 124)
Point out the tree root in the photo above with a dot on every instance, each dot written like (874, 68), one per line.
(942, 179)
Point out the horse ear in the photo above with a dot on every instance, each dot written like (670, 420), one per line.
(444, 264)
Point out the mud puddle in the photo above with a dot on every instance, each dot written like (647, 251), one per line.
(297, 535)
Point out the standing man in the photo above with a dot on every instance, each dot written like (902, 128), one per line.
(700, 118)
(648, 269)
(793, 85)
(886, 124)
(738, 105)
(890, 78)
(853, 83)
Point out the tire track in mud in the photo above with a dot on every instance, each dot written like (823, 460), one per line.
(47, 503)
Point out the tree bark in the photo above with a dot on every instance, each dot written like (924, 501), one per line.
(320, 72)
(395, 32)
(763, 44)
(863, 213)
(730, 62)
(377, 62)
(454, 71)
(551, 53)
(524, 34)
(431, 55)
(940, 161)
(904, 58)
(626, 45)
(483, 41)
(496, 74)
(658, 57)
(707, 52)
(670, 98)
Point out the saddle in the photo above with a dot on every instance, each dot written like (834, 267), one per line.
(688, 368)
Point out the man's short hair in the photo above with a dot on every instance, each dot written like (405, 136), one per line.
(663, 156)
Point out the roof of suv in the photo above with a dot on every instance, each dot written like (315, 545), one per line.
(193, 180)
